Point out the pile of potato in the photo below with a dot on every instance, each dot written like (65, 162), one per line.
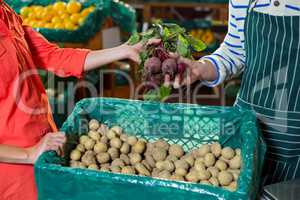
(111, 150)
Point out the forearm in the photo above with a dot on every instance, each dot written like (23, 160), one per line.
(11, 154)
(99, 58)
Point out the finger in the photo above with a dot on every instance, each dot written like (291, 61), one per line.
(182, 60)
(167, 81)
(174, 55)
(153, 41)
(177, 81)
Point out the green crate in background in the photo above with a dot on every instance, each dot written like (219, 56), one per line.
(186, 124)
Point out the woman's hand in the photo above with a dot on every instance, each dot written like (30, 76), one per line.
(195, 70)
(51, 141)
(132, 52)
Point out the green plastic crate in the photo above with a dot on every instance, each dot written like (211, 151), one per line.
(189, 125)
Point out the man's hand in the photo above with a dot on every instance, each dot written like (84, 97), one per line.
(194, 71)
(51, 141)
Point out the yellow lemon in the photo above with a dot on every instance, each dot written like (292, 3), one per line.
(40, 24)
(46, 16)
(24, 11)
(59, 6)
(58, 25)
(85, 12)
(26, 21)
(65, 17)
(69, 25)
(73, 7)
(75, 18)
(33, 24)
(81, 20)
(48, 25)
(55, 20)
(91, 8)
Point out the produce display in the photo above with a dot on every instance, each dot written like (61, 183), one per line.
(111, 150)
(157, 61)
(60, 15)
(206, 35)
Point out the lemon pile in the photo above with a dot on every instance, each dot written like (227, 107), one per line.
(60, 15)
(206, 35)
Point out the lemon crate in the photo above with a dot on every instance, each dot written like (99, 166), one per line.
(185, 124)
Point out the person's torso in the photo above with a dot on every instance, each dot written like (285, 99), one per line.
(22, 109)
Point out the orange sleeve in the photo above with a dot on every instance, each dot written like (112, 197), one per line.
(63, 62)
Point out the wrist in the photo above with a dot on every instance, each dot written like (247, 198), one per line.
(30, 151)
(208, 72)
(124, 51)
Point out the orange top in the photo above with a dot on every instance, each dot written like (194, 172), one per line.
(23, 103)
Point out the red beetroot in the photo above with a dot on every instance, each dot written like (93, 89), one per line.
(169, 67)
(152, 65)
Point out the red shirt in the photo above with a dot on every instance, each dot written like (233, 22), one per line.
(23, 109)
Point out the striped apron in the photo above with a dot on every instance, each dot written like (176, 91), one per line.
(271, 87)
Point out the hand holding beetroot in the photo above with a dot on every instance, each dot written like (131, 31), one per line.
(158, 66)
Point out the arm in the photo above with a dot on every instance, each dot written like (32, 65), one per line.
(229, 59)
(225, 62)
(19, 155)
(73, 62)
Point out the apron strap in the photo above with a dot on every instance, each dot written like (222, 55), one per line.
(252, 4)
(49, 113)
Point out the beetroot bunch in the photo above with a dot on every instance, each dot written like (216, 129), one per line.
(159, 65)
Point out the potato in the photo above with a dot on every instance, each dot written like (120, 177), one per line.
(116, 143)
(180, 171)
(94, 124)
(74, 163)
(216, 149)
(123, 137)
(209, 160)
(81, 165)
(105, 168)
(205, 182)
(89, 144)
(113, 153)
(203, 150)
(171, 158)
(214, 181)
(155, 172)
(88, 158)
(228, 153)
(221, 165)
(131, 140)
(93, 166)
(103, 157)
(104, 139)
(176, 177)
(238, 152)
(176, 150)
(128, 170)
(75, 155)
(125, 158)
(100, 147)
(224, 159)
(203, 174)
(235, 162)
(111, 134)
(159, 154)
(160, 165)
(199, 164)
(164, 174)
(235, 173)
(146, 164)
(80, 147)
(141, 169)
(181, 164)
(168, 165)
(225, 178)
(162, 144)
(192, 176)
(94, 135)
(83, 139)
(115, 169)
(232, 186)
(118, 162)
(103, 129)
(150, 160)
(135, 158)
(117, 129)
(139, 147)
(149, 148)
(189, 158)
(214, 171)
